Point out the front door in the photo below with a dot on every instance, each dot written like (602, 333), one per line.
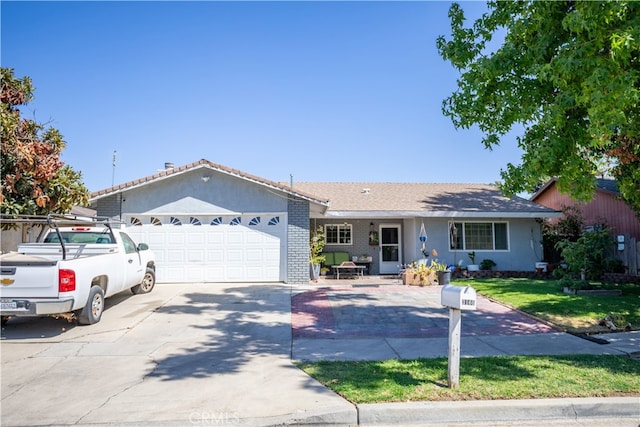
(390, 248)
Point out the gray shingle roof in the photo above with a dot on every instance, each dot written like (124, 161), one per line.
(204, 164)
(421, 199)
(607, 185)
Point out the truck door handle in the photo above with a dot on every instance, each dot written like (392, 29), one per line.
(130, 261)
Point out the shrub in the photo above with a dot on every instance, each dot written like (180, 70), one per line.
(587, 254)
(487, 264)
(614, 265)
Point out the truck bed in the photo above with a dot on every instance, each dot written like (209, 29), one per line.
(74, 250)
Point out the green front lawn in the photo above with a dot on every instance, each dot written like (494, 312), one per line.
(575, 313)
(482, 378)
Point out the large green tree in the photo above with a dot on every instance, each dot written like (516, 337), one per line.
(565, 76)
(34, 179)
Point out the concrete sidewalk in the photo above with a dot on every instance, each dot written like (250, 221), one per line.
(220, 354)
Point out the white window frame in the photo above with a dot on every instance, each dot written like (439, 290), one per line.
(493, 237)
(341, 228)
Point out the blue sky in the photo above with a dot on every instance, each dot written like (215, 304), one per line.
(326, 91)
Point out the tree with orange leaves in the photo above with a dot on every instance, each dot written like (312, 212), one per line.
(34, 179)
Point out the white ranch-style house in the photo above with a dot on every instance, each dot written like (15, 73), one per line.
(210, 223)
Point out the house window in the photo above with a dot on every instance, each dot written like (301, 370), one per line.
(274, 221)
(338, 234)
(488, 236)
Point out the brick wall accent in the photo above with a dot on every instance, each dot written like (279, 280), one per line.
(607, 277)
(298, 242)
(621, 278)
(500, 273)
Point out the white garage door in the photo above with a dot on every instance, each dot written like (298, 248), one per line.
(221, 248)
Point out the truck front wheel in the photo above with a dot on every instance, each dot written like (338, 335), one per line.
(147, 284)
(92, 311)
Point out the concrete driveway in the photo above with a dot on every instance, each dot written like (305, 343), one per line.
(197, 354)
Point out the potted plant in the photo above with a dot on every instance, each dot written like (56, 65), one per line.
(419, 274)
(487, 264)
(443, 272)
(458, 267)
(473, 266)
(316, 246)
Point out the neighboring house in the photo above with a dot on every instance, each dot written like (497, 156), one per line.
(210, 223)
(606, 207)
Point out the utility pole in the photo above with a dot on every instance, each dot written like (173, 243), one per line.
(113, 172)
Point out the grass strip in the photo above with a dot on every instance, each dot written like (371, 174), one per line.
(482, 378)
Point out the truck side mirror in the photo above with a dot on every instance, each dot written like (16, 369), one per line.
(143, 247)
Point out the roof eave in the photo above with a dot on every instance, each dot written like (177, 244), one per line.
(440, 214)
(543, 189)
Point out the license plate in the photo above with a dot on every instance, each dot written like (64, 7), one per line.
(8, 305)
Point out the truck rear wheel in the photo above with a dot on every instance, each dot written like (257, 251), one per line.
(92, 312)
(147, 284)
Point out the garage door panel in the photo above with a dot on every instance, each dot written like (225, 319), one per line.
(175, 256)
(235, 237)
(195, 238)
(195, 274)
(174, 239)
(215, 237)
(255, 238)
(271, 257)
(215, 274)
(215, 256)
(254, 273)
(235, 274)
(216, 251)
(174, 274)
(272, 271)
(195, 256)
(154, 239)
(254, 255)
(235, 256)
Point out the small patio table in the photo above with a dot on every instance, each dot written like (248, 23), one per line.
(349, 267)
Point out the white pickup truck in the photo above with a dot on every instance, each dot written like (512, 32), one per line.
(72, 270)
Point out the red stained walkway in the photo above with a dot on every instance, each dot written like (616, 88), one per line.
(359, 309)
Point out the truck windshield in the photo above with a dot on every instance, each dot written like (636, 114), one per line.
(79, 237)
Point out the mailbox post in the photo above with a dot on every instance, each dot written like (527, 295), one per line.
(457, 298)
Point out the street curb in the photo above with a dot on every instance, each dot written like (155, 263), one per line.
(419, 413)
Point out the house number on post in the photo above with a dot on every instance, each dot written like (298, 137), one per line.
(457, 298)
